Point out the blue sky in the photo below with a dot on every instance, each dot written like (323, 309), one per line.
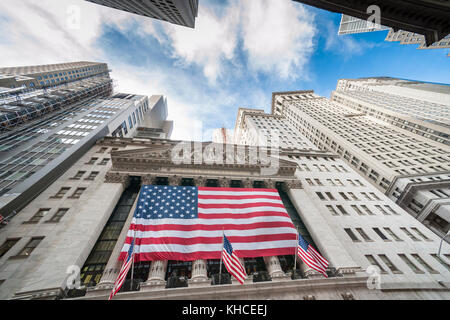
(239, 53)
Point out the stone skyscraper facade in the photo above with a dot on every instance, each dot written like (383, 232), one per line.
(181, 12)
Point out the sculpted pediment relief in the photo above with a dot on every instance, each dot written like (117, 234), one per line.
(204, 156)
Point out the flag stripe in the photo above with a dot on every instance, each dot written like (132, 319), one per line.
(199, 255)
(211, 240)
(186, 223)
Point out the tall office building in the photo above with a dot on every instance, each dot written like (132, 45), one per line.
(420, 107)
(181, 12)
(429, 18)
(50, 75)
(352, 25)
(45, 131)
(351, 223)
(396, 159)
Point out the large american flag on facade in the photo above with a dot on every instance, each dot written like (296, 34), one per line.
(123, 271)
(231, 261)
(311, 257)
(187, 223)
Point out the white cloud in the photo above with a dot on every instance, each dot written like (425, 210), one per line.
(277, 36)
(212, 41)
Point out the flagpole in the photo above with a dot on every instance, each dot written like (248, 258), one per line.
(221, 254)
(295, 253)
(132, 263)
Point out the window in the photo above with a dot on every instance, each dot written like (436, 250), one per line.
(410, 264)
(332, 210)
(32, 244)
(58, 215)
(92, 175)
(392, 234)
(61, 193)
(102, 150)
(366, 209)
(357, 210)
(92, 161)
(382, 236)
(441, 261)
(421, 234)
(423, 263)
(38, 216)
(342, 210)
(344, 196)
(380, 208)
(351, 235)
(330, 196)
(78, 175)
(409, 234)
(104, 162)
(77, 194)
(374, 262)
(320, 195)
(7, 245)
(389, 263)
(363, 234)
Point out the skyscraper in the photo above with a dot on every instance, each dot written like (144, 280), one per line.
(401, 161)
(181, 12)
(50, 75)
(420, 107)
(376, 250)
(43, 132)
(352, 25)
(426, 17)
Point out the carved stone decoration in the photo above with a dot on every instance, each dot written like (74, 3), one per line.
(148, 179)
(294, 184)
(269, 183)
(224, 182)
(118, 177)
(174, 180)
(247, 183)
(156, 276)
(309, 273)
(199, 274)
(200, 181)
(274, 268)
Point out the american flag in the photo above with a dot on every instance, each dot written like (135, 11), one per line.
(311, 257)
(232, 262)
(187, 223)
(123, 272)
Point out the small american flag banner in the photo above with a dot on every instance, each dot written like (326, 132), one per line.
(187, 223)
(311, 257)
(232, 262)
(123, 272)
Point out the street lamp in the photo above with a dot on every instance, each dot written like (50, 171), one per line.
(442, 240)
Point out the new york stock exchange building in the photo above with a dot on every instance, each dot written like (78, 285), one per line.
(66, 243)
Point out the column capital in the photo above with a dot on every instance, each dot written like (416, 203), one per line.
(118, 177)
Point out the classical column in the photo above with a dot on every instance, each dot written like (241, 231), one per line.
(247, 183)
(269, 184)
(199, 275)
(156, 276)
(174, 180)
(114, 265)
(309, 273)
(274, 268)
(224, 182)
(148, 179)
(200, 181)
(117, 177)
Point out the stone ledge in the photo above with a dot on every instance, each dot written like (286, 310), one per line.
(237, 291)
